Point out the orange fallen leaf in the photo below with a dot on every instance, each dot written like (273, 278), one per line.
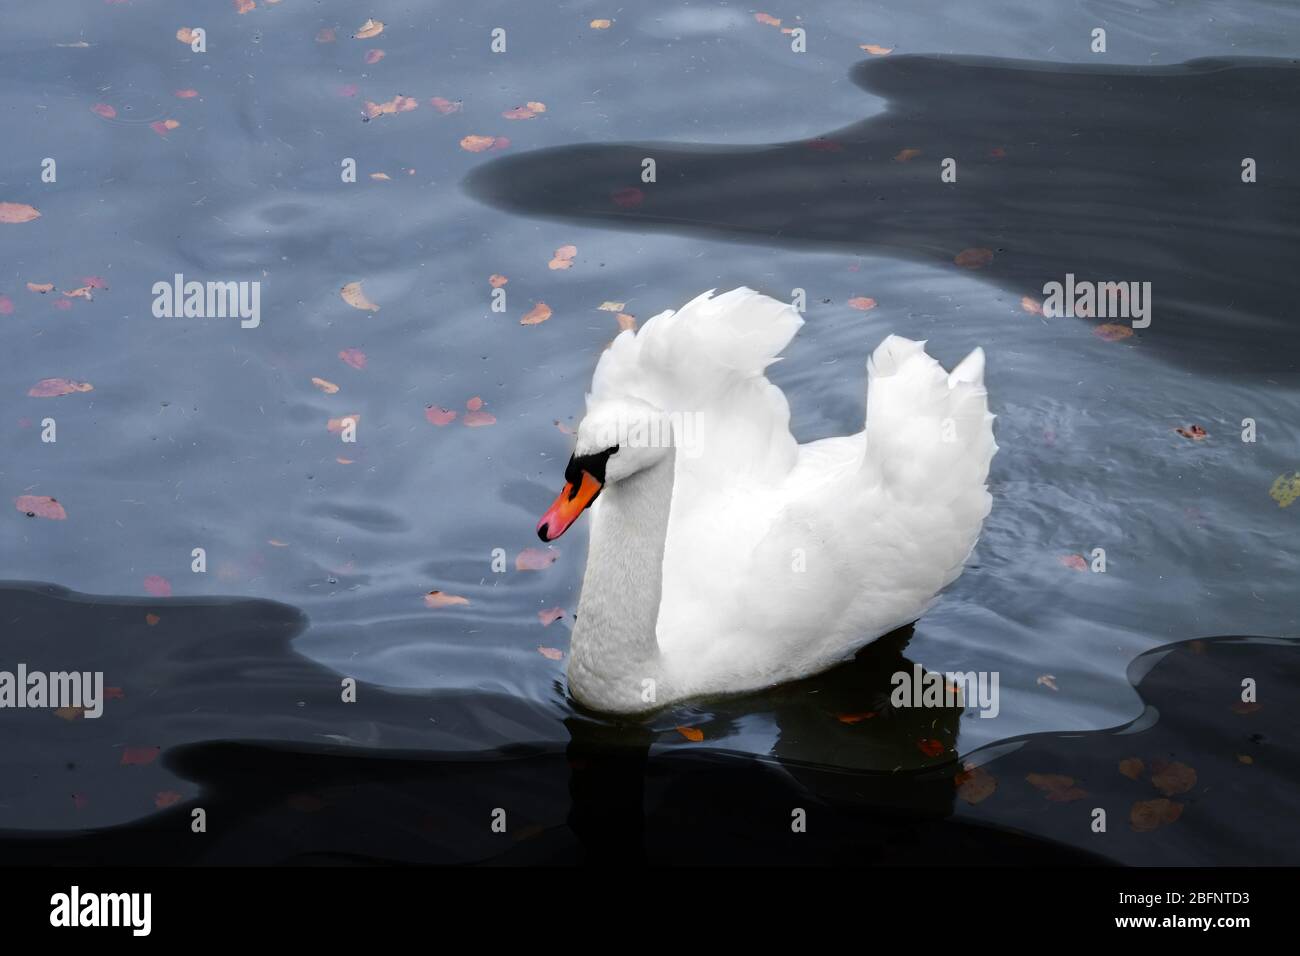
(903, 155)
(538, 314)
(975, 785)
(139, 756)
(974, 258)
(536, 559)
(563, 257)
(1148, 815)
(354, 297)
(244, 6)
(439, 416)
(443, 599)
(152, 619)
(17, 212)
(477, 144)
(767, 19)
(551, 653)
(444, 105)
(1172, 777)
(329, 388)
(39, 506)
(337, 425)
(186, 94)
(601, 24)
(876, 50)
(862, 303)
(1032, 306)
(1110, 332)
(371, 28)
(1194, 432)
(104, 110)
(185, 35)
(345, 461)
(354, 357)
(1056, 787)
(54, 387)
(41, 287)
(563, 427)
(163, 127)
(398, 104)
(855, 717)
(1132, 767)
(525, 112)
(497, 281)
(693, 734)
(550, 616)
(930, 747)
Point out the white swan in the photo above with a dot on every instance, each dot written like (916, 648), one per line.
(726, 557)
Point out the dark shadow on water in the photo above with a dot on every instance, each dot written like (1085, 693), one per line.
(1109, 173)
(254, 734)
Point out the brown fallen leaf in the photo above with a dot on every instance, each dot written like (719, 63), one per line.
(1172, 777)
(975, 785)
(39, 506)
(82, 292)
(973, 258)
(354, 357)
(54, 387)
(538, 314)
(1056, 787)
(1110, 332)
(862, 303)
(536, 559)
(475, 417)
(163, 127)
(17, 212)
(1148, 815)
(693, 734)
(185, 35)
(443, 599)
(563, 257)
(1132, 767)
(354, 297)
(1194, 432)
(1246, 759)
(398, 104)
(371, 28)
(329, 388)
(551, 653)
(550, 616)
(70, 713)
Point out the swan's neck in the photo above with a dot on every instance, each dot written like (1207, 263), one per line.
(613, 650)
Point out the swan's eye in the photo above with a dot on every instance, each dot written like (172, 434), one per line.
(593, 465)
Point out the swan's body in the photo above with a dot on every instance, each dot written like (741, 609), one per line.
(737, 558)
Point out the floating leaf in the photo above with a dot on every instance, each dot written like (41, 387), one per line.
(139, 756)
(373, 57)
(104, 110)
(439, 416)
(165, 798)
(1171, 777)
(975, 785)
(163, 127)
(876, 50)
(862, 303)
(1048, 680)
(476, 417)
(612, 306)
(904, 155)
(1032, 306)
(6, 305)
(185, 35)
(477, 144)
(158, 586)
(244, 6)
(186, 94)
(550, 616)
(855, 718)
(329, 388)
(1194, 432)
(17, 212)
(693, 734)
(973, 258)
(444, 105)
(525, 112)
(398, 104)
(1148, 815)
(381, 177)
(152, 619)
(497, 281)
(536, 559)
(1056, 787)
(1110, 332)
(443, 599)
(337, 425)
(563, 257)
(371, 28)
(354, 297)
(551, 653)
(1285, 490)
(767, 19)
(1075, 562)
(354, 357)
(601, 24)
(538, 314)
(53, 387)
(930, 747)
(1132, 767)
(41, 287)
(70, 713)
(83, 292)
(39, 506)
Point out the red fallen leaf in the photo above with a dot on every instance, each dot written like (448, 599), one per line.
(862, 303)
(38, 506)
(1194, 432)
(6, 305)
(823, 145)
(186, 94)
(1056, 787)
(80, 801)
(165, 798)
(163, 127)
(152, 619)
(476, 417)
(628, 198)
(975, 785)
(1171, 777)
(104, 110)
(158, 586)
(973, 258)
(536, 559)
(550, 616)
(930, 747)
(139, 756)
(903, 155)
(17, 212)
(445, 106)
(497, 281)
(551, 653)
(354, 357)
(538, 314)
(1242, 708)
(243, 6)
(1132, 767)
(439, 416)
(443, 599)
(693, 734)
(53, 387)
(325, 35)
(398, 104)
(374, 56)
(1032, 306)
(1110, 332)
(336, 425)
(855, 718)
(1075, 562)
(1148, 815)
(767, 19)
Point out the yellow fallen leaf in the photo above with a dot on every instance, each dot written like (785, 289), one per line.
(329, 388)
(371, 28)
(1285, 490)
(354, 297)
(612, 306)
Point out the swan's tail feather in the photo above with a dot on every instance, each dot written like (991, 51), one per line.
(929, 432)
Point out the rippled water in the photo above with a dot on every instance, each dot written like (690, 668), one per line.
(199, 433)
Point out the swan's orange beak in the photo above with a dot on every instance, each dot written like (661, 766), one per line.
(573, 500)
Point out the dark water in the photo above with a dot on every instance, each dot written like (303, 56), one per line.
(776, 170)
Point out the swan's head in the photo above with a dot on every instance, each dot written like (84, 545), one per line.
(615, 439)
